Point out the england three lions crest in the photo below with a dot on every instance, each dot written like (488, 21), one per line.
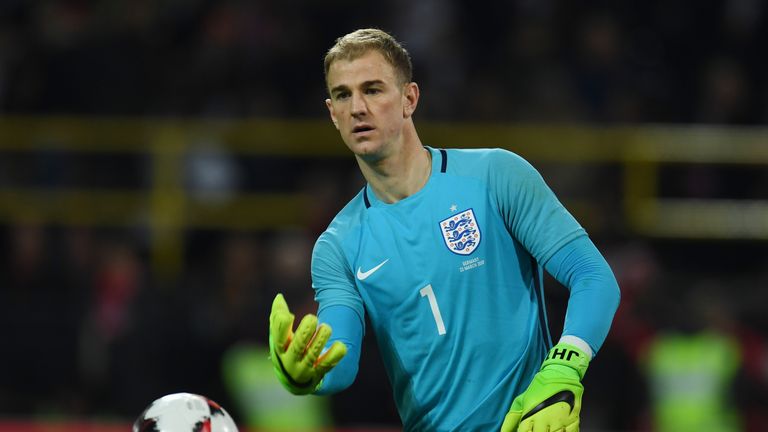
(461, 232)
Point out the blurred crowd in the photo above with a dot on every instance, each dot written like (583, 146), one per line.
(91, 334)
(547, 60)
(90, 331)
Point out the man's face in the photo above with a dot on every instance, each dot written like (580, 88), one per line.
(368, 105)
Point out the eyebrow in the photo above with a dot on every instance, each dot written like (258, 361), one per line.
(368, 83)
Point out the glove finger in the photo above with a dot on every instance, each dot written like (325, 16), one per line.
(316, 345)
(547, 421)
(529, 425)
(279, 306)
(280, 323)
(511, 421)
(331, 357)
(573, 427)
(302, 337)
(541, 426)
(535, 425)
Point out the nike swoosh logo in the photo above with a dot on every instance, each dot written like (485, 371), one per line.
(361, 275)
(566, 396)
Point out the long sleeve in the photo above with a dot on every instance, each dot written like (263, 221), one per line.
(594, 292)
(345, 327)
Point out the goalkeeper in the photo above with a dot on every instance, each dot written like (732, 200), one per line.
(444, 251)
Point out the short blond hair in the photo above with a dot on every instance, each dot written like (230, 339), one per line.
(359, 42)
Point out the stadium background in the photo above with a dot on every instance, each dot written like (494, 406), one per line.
(165, 167)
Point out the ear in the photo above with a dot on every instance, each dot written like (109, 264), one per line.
(410, 99)
(333, 115)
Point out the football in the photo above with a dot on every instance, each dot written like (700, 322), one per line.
(184, 412)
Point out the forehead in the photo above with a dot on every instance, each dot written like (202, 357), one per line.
(371, 66)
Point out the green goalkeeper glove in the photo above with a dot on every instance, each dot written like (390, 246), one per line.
(552, 401)
(296, 357)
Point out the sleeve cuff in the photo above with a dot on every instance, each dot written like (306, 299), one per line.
(578, 343)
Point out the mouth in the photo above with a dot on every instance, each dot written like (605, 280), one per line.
(362, 129)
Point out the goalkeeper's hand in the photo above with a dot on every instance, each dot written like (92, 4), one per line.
(552, 401)
(297, 357)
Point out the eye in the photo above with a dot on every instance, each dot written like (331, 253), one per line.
(341, 95)
(372, 90)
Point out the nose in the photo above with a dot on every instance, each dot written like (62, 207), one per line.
(359, 107)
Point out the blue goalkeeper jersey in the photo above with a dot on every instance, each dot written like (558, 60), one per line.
(450, 281)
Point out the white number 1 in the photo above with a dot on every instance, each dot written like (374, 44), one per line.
(430, 295)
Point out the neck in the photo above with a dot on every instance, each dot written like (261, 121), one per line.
(400, 174)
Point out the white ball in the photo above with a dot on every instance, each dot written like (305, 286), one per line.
(184, 412)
